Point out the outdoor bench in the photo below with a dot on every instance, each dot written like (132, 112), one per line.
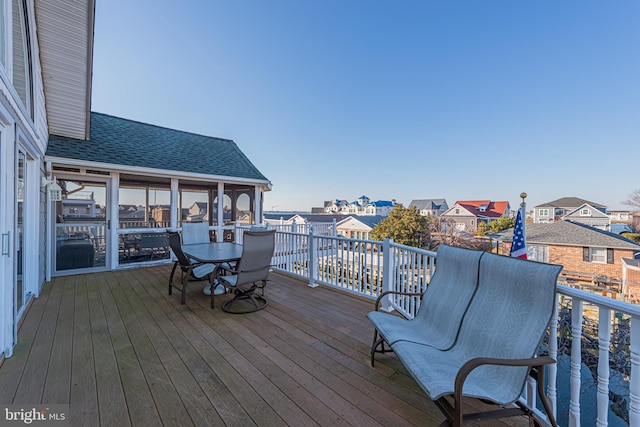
(483, 346)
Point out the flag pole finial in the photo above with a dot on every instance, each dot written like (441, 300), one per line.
(523, 196)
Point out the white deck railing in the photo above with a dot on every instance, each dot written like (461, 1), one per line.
(601, 369)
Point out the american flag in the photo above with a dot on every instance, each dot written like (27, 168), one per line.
(518, 244)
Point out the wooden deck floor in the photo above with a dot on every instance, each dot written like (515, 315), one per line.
(120, 351)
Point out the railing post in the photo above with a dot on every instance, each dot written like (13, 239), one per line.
(312, 259)
(334, 228)
(387, 271)
(634, 381)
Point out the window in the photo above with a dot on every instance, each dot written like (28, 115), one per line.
(3, 37)
(144, 204)
(543, 212)
(585, 212)
(599, 255)
(22, 72)
(194, 203)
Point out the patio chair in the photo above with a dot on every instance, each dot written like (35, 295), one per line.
(442, 305)
(251, 273)
(497, 343)
(188, 268)
(195, 232)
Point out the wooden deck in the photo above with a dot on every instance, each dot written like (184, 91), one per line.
(120, 351)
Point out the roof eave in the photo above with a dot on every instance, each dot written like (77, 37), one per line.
(157, 172)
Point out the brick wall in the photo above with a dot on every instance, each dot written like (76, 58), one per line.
(571, 258)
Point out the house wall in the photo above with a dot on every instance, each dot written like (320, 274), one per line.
(20, 131)
(571, 258)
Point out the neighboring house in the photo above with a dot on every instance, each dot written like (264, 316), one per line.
(557, 209)
(362, 206)
(52, 146)
(358, 227)
(430, 207)
(588, 215)
(620, 216)
(578, 247)
(198, 209)
(379, 208)
(467, 214)
(335, 206)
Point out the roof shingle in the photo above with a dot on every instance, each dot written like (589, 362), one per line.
(124, 142)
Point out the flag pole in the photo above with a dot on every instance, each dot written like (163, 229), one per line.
(523, 212)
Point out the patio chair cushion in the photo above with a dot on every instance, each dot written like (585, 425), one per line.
(443, 303)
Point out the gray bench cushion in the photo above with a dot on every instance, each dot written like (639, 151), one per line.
(506, 319)
(443, 304)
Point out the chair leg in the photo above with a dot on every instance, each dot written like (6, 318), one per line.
(543, 397)
(185, 279)
(374, 345)
(173, 270)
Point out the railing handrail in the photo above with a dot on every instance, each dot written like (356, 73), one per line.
(601, 301)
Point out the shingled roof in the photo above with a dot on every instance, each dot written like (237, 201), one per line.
(568, 203)
(123, 142)
(570, 233)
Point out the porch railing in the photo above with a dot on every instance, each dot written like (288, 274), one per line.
(597, 378)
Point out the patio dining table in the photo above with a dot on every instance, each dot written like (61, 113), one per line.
(217, 253)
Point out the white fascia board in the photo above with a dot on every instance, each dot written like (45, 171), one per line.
(63, 161)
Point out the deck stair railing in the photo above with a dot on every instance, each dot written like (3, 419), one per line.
(597, 378)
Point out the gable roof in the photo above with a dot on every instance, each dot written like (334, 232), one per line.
(368, 220)
(431, 204)
(492, 209)
(595, 212)
(569, 203)
(122, 142)
(570, 233)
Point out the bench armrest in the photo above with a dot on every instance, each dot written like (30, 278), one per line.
(385, 293)
(465, 370)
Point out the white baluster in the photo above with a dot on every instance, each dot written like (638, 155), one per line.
(604, 340)
(576, 360)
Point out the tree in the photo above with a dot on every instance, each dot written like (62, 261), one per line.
(483, 229)
(404, 225)
(633, 199)
(502, 223)
(445, 231)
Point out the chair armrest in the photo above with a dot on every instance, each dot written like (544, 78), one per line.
(385, 293)
(468, 367)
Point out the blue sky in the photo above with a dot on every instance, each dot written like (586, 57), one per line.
(390, 99)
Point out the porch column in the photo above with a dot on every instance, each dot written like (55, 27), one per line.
(174, 209)
(113, 219)
(257, 208)
(220, 218)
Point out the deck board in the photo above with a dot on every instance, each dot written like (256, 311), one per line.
(121, 351)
